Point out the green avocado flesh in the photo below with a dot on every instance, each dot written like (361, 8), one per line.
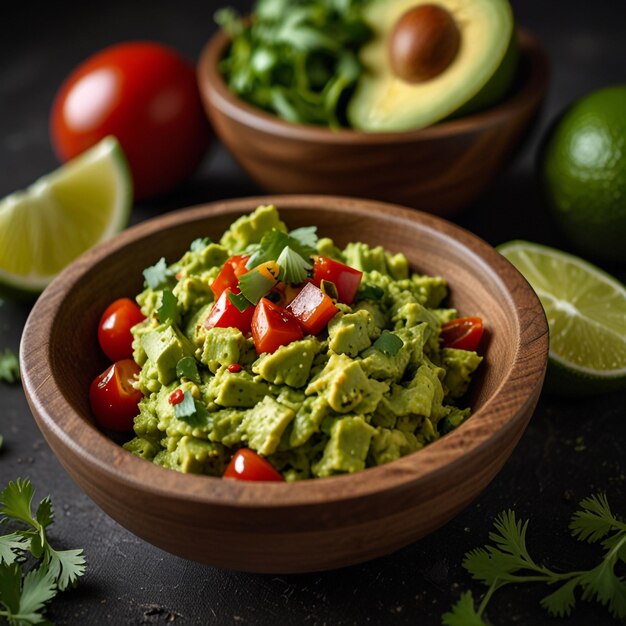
(479, 76)
(334, 403)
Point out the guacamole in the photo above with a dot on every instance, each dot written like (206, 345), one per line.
(373, 385)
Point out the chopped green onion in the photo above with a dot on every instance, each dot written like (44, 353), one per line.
(253, 285)
(188, 368)
(293, 266)
(388, 343)
(330, 289)
(168, 311)
(239, 300)
(370, 292)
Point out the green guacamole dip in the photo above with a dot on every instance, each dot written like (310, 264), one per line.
(319, 406)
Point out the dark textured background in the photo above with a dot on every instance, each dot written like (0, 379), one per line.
(571, 449)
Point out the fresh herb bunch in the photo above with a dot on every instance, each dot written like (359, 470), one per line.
(508, 561)
(296, 58)
(23, 594)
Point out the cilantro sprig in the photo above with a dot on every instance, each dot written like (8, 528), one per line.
(23, 594)
(509, 562)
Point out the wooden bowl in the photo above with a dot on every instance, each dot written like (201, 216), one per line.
(287, 527)
(439, 169)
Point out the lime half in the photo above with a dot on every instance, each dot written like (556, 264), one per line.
(586, 311)
(63, 214)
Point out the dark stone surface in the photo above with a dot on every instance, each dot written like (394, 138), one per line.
(570, 450)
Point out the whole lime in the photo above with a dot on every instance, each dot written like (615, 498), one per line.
(583, 168)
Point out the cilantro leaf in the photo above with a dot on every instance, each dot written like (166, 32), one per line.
(388, 343)
(293, 266)
(15, 502)
(66, 566)
(463, 613)
(10, 547)
(10, 588)
(189, 411)
(188, 367)
(158, 276)
(275, 241)
(9, 366)
(306, 236)
(595, 519)
(168, 311)
(38, 587)
(199, 244)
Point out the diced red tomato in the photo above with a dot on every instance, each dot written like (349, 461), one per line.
(229, 274)
(248, 465)
(346, 278)
(114, 333)
(463, 333)
(225, 314)
(113, 398)
(273, 326)
(312, 308)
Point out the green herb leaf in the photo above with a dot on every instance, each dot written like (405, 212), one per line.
(197, 245)
(15, 501)
(293, 266)
(66, 566)
(158, 276)
(273, 243)
(239, 300)
(168, 311)
(253, 286)
(595, 519)
(370, 292)
(11, 546)
(463, 613)
(9, 366)
(306, 236)
(388, 343)
(38, 587)
(188, 367)
(189, 411)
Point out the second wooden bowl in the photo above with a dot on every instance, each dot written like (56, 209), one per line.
(314, 524)
(439, 169)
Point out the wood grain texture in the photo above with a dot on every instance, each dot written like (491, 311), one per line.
(278, 527)
(439, 169)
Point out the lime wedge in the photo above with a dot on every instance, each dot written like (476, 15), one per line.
(586, 311)
(63, 214)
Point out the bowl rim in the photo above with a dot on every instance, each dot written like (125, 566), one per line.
(507, 404)
(214, 90)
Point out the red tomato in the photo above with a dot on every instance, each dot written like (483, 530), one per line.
(273, 326)
(463, 333)
(225, 314)
(312, 308)
(146, 95)
(248, 465)
(229, 274)
(346, 278)
(114, 329)
(112, 397)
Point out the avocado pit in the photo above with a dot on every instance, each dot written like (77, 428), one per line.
(424, 42)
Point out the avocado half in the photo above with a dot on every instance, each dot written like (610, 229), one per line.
(480, 74)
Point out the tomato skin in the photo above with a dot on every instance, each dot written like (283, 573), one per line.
(146, 95)
(273, 326)
(229, 275)
(312, 308)
(225, 314)
(114, 333)
(112, 398)
(346, 278)
(248, 465)
(463, 333)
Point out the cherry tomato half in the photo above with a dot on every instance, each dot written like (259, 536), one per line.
(346, 278)
(248, 465)
(463, 333)
(112, 397)
(146, 95)
(273, 326)
(114, 333)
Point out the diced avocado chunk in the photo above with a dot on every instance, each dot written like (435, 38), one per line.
(347, 448)
(362, 257)
(308, 419)
(453, 420)
(250, 228)
(265, 424)
(391, 444)
(222, 346)
(164, 347)
(198, 456)
(459, 366)
(352, 332)
(235, 389)
(290, 364)
(143, 448)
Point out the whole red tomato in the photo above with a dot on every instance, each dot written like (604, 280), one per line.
(146, 95)
(114, 333)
